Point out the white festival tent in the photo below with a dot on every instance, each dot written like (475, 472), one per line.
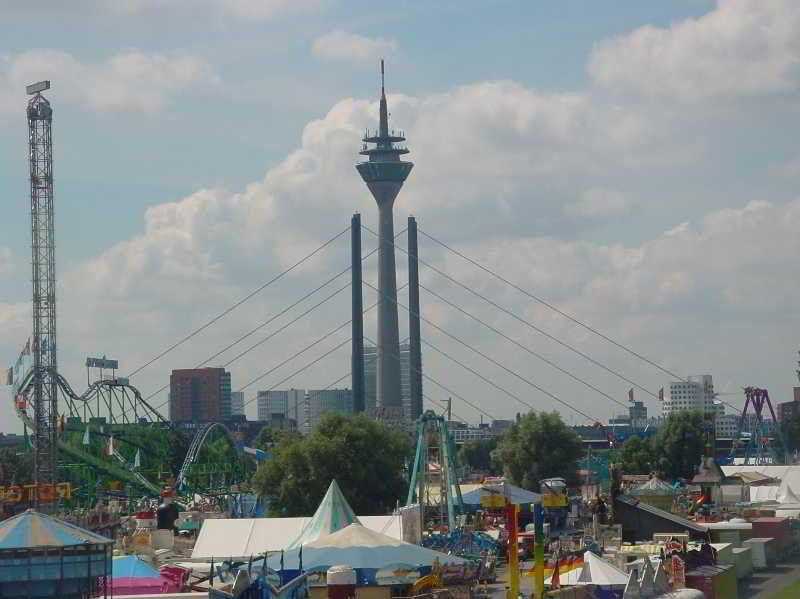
(222, 538)
(360, 547)
(245, 537)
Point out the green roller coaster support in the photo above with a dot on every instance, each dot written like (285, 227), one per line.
(109, 468)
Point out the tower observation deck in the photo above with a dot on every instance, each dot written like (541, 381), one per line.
(384, 173)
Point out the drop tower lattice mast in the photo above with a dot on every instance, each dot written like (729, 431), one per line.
(43, 261)
(384, 173)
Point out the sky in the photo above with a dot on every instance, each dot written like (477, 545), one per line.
(633, 164)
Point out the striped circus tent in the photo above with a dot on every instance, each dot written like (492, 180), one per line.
(332, 515)
(33, 529)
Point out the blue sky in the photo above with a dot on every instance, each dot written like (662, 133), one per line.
(574, 135)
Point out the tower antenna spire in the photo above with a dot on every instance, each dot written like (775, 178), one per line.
(382, 78)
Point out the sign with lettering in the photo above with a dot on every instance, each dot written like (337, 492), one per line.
(29, 493)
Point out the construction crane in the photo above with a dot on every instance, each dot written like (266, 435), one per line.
(43, 261)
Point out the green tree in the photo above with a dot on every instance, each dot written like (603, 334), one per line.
(366, 458)
(477, 455)
(539, 445)
(16, 466)
(637, 456)
(679, 445)
(269, 436)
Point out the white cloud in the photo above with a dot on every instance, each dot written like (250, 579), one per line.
(349, 47)
(496, 164)
(133, 80)
(198, 255)
(742, 48)
(790, 168)
(600, 203)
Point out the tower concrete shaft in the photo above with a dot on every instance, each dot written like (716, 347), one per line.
(43, 261)
(384, 173)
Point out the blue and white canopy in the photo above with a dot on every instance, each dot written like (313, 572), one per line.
(34, 529)
(362, 548)
(333, 514)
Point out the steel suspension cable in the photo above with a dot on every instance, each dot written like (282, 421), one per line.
(442, 386)
(521, 346)
(492, 360)
(552, 307)
(249, 296)
(527, 323)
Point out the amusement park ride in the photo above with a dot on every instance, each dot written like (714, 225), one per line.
(94, 438)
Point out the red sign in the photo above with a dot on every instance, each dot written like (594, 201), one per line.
(678, 573)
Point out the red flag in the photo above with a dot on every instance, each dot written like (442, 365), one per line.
(661, 394)
(630, 395)
(554, 582)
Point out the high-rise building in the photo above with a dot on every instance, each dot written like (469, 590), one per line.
(384, 173)
(371, 380)
(694, 394)
(237, 403)
(322, 401)
(275, 405)
(200, 395)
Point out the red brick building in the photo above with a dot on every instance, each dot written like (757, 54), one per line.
(200, 395)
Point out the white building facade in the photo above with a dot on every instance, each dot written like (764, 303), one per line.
(694, 394)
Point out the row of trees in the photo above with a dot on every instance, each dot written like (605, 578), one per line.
(673, 453)
(369, 461)
(366, 458)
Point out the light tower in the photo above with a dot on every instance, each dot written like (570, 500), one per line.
(43, 261)
(384, 173)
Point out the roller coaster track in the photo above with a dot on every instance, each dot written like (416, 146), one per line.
(126, 472)
(194, 450)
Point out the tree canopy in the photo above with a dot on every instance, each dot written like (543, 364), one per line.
(16, 466)
(366, 458)
(477, 455)
(679, 445)
(539, 445)
(637, 456)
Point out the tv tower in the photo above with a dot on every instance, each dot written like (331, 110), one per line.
(384, 173)
(43, 261)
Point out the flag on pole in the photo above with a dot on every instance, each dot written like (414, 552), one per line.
(555, 583)
(661, 394)
(137, 461)
(86, 436)
(630, 395)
